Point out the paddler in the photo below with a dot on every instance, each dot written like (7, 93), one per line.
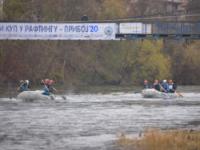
(24, 85)
(156, 85)
(146, 84)
(165, 86)
(45, 88)
(172, 88)
(50, 86)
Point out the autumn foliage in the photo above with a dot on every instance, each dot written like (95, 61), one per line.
(94, 62)
(162, 140)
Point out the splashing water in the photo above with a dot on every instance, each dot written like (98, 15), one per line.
(90, 121)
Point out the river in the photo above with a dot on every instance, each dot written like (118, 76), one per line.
(91, 121)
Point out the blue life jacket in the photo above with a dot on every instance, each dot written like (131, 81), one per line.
(166, 87)
(23, 87)
(46, 90)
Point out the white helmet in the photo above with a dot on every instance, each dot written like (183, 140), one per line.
(27, 81)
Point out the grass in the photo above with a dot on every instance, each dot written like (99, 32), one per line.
(162, 140)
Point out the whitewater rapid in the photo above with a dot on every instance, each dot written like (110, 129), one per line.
(90, 121)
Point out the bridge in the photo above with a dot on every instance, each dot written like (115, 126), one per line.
(99, 31)
(177, 30)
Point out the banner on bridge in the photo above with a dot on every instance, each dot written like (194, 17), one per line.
(135, 28)
(58, 31)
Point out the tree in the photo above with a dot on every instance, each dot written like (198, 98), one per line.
(142, 8)
(193, 6)
(191, 69)
(150, 63)
(112, 9)
(14, 10)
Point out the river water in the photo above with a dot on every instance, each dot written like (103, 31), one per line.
(91, 121)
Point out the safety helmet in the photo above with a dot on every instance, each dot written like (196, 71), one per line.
(27, 81)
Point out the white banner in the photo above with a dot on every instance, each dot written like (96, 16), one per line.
(135, 28)
(58, 31)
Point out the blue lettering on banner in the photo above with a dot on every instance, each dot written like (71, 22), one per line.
(57, 31)
(93, 28)
(11, 28)
(21, 28)
(1, 28)
(81, 28)
(40, 28)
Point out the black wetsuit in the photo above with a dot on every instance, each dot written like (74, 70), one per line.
(174, 86)
(157, 87)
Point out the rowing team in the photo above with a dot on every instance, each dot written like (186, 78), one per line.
(47, 86)
(164, 86)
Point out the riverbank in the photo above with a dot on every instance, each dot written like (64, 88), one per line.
(162, 140)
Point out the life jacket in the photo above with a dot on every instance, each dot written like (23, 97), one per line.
(174, 86)
(46, 90)
(166, 87)
(171, 88)
(157, 87)
(23, 87)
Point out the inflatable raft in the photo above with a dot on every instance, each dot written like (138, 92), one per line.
(34, 95)
(152, 93)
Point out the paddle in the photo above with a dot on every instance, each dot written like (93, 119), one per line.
(162, 88)
(179, 94)
(64, 97)
(54, 90)
(53, 97)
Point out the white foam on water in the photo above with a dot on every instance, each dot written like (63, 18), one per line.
(90, 121)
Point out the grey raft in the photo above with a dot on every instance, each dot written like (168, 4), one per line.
(152, 93)
(34, 95)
